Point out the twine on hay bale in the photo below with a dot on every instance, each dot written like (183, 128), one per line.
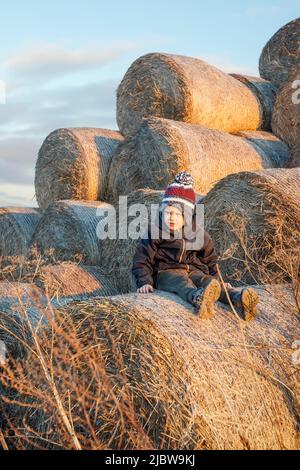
(68, 231)
(218, 384)
(254, 220)
(73, 164)
(116, 255)
(185, 89)
(281, 54)
(17, 225)
(286, 113)
(70, 281)
(265, 92)
(22, 307)
(167, 147)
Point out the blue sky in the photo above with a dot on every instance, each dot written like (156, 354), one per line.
(62, 61)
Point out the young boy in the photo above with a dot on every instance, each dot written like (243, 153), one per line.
(171, 264)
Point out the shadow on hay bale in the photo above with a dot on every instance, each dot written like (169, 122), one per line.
(166, 147)
(286, 114)
(254, 220)
(217, 384)
(73, 164)
(117, 254)
(68, 231)
(281, 54)
(68, 281)
(17, 225)
(265, 92)
(185, 89)
(294, 158)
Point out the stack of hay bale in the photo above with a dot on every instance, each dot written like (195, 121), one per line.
(239, 137)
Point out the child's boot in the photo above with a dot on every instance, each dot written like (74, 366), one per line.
(245, 302)
(205, 298)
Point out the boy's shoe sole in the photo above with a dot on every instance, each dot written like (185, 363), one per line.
(248, 304)
(205, 302)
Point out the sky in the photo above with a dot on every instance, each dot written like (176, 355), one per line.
(61, 62)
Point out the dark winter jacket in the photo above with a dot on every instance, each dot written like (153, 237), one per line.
(154, 255)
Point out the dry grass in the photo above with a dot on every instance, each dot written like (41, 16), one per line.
(253, 219)
(185, 89)
(167, 147)
(286, 114)
(280, 55)
(73, 164)
(140, 371)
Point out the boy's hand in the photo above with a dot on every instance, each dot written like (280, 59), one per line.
(145, 289)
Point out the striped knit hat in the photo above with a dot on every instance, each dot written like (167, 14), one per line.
(181, 191)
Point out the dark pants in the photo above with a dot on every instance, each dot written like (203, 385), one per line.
(185, 283)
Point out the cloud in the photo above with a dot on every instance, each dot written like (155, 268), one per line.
(50, 61)
(225, 64)
(17, 195)
(41, 111)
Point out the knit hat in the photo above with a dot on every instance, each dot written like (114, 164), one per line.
(181, 191)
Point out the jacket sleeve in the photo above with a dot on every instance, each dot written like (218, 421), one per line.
(210, 257)
(143, 261)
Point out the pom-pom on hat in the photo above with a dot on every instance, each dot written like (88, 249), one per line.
(181, 191)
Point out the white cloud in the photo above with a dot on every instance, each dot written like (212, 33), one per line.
(48, 61)
(226, 65)
(17, 195)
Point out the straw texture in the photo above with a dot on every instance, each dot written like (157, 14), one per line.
(68, 231)
(70, 281)
(167, 147)
(17, 225)
(286, 114)
(254, 220)
(265, 92)
(22, 307)
(218, 384)
(281, 54)
(73, 164)
(185, 89)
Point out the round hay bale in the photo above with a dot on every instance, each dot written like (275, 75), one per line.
(70, 281)
(265, 92)
(218, 384)
(254, 220)
(119, 266)
(17, 225)
(281, 54)
(185, 89)
(167, 147)
(67, 231)
(286, 113)
(73, 164)
(22, 307)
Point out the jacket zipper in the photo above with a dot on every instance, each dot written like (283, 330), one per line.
(183, 246)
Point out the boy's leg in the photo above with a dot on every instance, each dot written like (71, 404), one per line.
(244, 300)
(178, 282)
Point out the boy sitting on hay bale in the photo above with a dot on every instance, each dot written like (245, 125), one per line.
(171, 262)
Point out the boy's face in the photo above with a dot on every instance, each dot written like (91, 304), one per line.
(173, 217)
